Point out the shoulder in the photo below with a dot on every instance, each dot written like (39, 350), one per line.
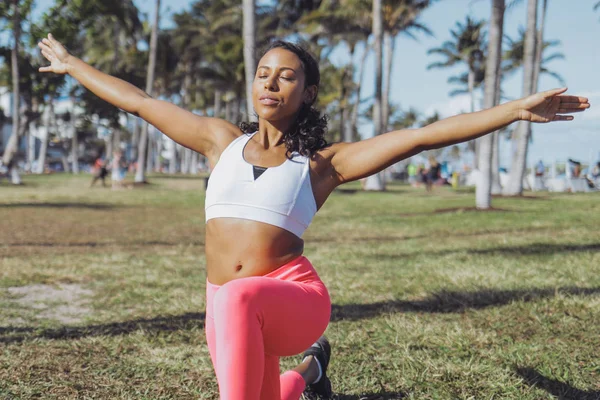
(227, 134)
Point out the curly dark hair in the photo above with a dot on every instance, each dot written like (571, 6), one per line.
(307, 135)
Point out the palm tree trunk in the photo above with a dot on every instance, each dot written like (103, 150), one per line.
(173, 158)
(483, 194)
(361, 71)
(30, 140)
(74, 153)
(249, 46)
(117, 139)
(48, 116)
(521, 135)
(217, 105)
(74, 143)
(376, 181)
(140, 175)
(135, 138)
(390, 44)
(194, 163)
(539, 48)
(471, 88)
(473, 144)
(346, 123)
(13, 143)
(108, 143)
(496, 186)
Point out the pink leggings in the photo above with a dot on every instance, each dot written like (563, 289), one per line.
(251, 322)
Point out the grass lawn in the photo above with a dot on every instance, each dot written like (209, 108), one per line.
(102, 293)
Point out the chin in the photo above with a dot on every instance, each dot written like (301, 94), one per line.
(271, 114)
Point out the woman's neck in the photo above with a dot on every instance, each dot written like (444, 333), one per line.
(270, 134)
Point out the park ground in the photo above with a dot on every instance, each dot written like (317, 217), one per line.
(102, 292)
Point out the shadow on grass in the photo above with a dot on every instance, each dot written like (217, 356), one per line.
(441, 302)
(371, 396)
(527, 250)
(186, 321)
(560, 390)
(452, 302)
(92, 206)
(538, 249)
(442, 234)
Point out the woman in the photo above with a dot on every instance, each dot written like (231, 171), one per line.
(264, 299)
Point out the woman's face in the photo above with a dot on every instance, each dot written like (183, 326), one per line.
(278, 90)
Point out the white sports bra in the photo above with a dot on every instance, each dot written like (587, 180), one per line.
(280, 196)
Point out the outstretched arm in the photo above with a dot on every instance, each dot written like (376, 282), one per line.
(353, 161)
(188, 129)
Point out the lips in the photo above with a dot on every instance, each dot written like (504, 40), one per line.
(268, 100)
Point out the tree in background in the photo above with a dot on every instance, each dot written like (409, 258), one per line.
(399, 17)
(18, 12)
(249, 50)
(521, 133)
(483, 194)
(467, 48)
(377, 181)
(140, 174)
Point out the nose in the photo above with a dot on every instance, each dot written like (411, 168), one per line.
(270, 84)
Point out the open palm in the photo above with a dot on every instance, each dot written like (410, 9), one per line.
(56, 54)
(551, 106)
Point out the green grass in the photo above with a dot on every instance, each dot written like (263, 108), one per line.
(432, 300)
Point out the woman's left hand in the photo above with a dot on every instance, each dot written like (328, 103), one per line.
(551, 106)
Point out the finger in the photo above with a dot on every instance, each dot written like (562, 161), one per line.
(44, 47)
(45, 69)
(574, 106)
(562, 118)
(53, 41)
(553, 92)
(573, 99)
(48, 56)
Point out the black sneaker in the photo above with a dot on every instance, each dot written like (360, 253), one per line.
(321, 350)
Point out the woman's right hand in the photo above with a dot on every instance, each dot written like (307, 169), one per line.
(56, 54)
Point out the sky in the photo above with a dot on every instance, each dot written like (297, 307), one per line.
(573, 22)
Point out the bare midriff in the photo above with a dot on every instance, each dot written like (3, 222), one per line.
(238, 248)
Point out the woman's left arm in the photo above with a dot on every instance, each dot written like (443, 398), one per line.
(352, 161)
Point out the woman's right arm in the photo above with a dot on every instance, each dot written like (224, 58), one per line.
(190, 130)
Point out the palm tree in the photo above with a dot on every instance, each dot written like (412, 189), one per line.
(522, 131)
(8, 159)
(400, 17)
(483, 195)
(189, 37)
(468, 48)
(348, 21)
(140, 175)
(514, 55)
(376, 181)
(249, 48)
(409, 118)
